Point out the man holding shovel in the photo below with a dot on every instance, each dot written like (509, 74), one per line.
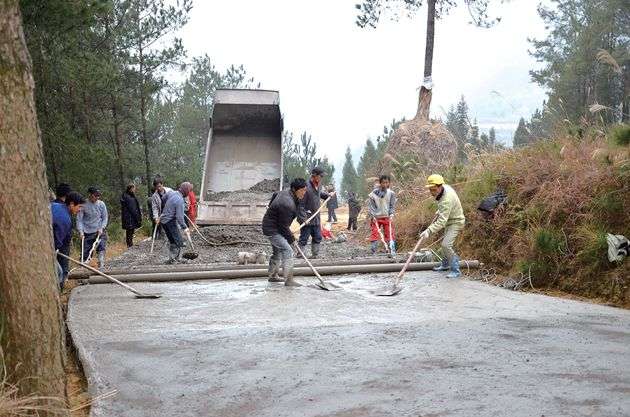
(281, 212)
(381, 205)
(172, 220)
(91, 223)
(309, 205)
(450, 217)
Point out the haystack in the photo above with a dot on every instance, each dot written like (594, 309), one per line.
(428, 142)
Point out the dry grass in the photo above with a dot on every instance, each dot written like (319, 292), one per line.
(563, 197)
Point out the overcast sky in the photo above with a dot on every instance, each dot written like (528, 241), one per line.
(342, 83)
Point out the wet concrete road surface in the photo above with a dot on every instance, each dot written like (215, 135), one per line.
(441, 348)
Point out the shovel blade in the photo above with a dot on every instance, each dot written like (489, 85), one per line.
(190, 255)
(148, 295)
(392, 292)
(322, 287)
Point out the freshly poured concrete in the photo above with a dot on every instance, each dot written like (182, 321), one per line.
(440, 348)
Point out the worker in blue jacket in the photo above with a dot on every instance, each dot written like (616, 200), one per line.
(62, 212)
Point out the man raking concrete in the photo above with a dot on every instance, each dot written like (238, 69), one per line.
(282, 210)
(450, 217)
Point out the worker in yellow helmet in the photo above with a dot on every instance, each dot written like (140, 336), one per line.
(450, 217)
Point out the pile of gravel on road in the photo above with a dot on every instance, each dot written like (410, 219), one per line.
(139, 255)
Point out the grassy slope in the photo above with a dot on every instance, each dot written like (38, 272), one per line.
(563, 197)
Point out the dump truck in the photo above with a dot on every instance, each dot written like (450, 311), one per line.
(243, 151)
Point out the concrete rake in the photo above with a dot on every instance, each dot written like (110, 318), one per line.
(137, 293)
(326, 286)
(397, 288)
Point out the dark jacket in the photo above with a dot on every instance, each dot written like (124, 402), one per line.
(280, 214)
(354, 207)
(310, 203)
(131, 216)
(332, 203)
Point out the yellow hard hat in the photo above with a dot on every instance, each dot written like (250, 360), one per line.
(434, 180)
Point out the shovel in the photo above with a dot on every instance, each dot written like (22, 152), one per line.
(82, 247)
(137, 293)
(396, 289)
(94, 246)
(190, 254)
(307, 221)
(322, 284)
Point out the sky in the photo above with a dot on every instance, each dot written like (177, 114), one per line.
(342, 84)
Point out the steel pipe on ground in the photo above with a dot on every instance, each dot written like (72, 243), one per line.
(84, 273)
(256, 273)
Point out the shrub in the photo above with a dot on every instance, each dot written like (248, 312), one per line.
(620, 134)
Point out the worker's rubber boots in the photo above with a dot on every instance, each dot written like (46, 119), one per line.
(455, 272)
(173, 253)
(287, 272)
(274, 267)
(314, 250)
(101, 259)
(443, 267)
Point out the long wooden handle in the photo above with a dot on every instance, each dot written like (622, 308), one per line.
(381, 235)
(404, 269)
(310, 265)
(96, 271)
(307, 221)
(154, 233)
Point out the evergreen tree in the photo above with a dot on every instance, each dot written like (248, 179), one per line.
(349, 177)
(365, 167)
(521, 135)
(492, 137)
(585, 57)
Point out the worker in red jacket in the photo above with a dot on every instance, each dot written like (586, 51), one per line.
(191, 205)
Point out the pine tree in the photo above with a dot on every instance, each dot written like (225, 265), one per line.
(521, 135)
(366, 164)
(349, 177)
(492, 137)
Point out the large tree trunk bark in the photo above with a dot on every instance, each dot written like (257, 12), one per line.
(32, 335)
(424, 102)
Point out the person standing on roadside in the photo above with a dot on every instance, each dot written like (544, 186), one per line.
(354, 208)
(332, 205)
(157, 204)
(130, 215)
(91, 224)
(62, 213)
(276, 223)
(307, 207)
(191, 206)
(172, 221)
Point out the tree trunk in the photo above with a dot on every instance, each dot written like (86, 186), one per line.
(424, 102)
(118, 146)
(145, 140)
(32, 335)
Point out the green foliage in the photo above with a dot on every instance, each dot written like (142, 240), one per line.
(349, 179)
(300, 157)
(466, 133)
(620, 134)
(548, 242)
(584, 56)
(522, 135)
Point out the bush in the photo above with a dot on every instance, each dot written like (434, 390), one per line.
(620, 134)
(561, 203)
